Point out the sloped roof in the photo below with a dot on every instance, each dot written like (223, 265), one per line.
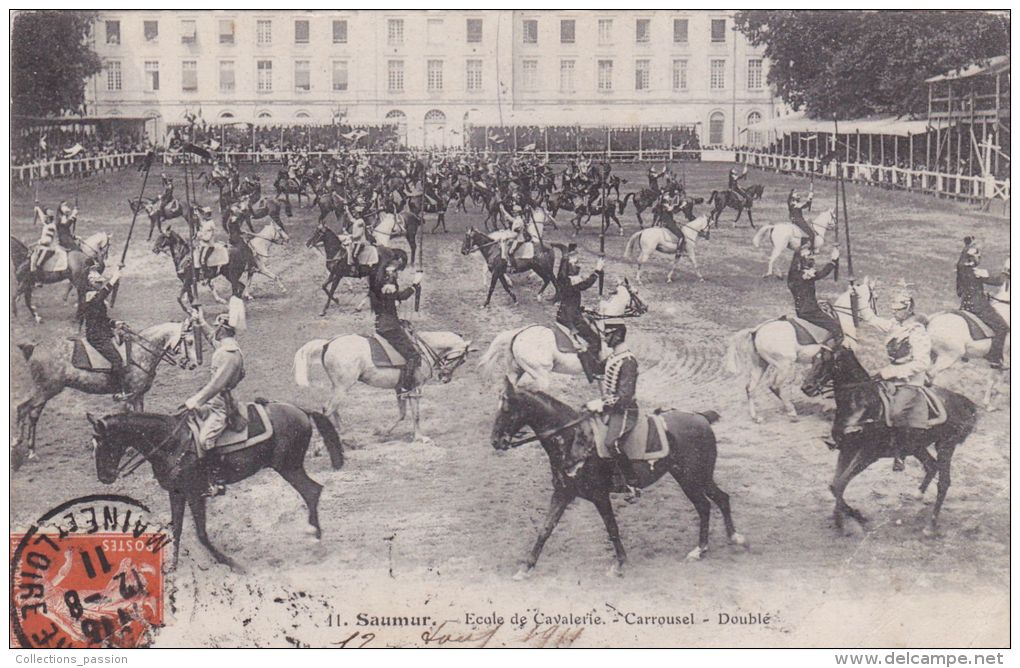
(993, 66)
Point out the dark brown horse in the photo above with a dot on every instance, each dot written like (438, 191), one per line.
(240, 261)
(857, 394)
(339, 265)
(578, 471)
(723, 199)
(165, 442)
(542, 263)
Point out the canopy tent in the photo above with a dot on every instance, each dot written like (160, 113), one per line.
(873, 125)
(992, 66)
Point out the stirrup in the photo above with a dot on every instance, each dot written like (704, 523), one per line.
(898, 464)
(215, 489)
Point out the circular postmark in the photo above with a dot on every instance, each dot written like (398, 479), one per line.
(88, 573)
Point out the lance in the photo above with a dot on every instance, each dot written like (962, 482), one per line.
(134, 217)
(841, 192)
(602, 235)
(421, 264)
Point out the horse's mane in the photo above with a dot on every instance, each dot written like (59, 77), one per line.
(847, 356)
(547, 401)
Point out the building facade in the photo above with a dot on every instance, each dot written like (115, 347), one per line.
(433, 72)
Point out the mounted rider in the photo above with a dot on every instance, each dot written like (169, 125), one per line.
(654, 176)
(214, 404)
(733, 183)
(801, 280)
(358, 230)
(384, 295)
(618, 403)
(970, 287)
(99, 328)
(67, 221)
(796, 204)
(519, 227)
(570, 288)
(206, 235)
(671, 202)
(909, 348)
(47, 244)
(167, 195)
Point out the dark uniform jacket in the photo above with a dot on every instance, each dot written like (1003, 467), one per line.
(801, 281)
(383, 296)
(970, 287)
(571, 289)
(98, 325)
(619, 383)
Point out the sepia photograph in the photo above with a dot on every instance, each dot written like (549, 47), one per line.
(515, 328)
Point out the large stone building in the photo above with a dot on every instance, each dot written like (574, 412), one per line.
(434, 71)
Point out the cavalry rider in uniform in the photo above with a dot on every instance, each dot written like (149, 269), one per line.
(168, 193)
(205, 236)
(67, 220)
(520, 230)
(653, 178)
(98, 325)
(215, 403)
(970, 287)
(733, 183)
(384, 294)
(801, 281)
(571, 286)
(358, 230)
(909, 348)
(795, 205)
(618, 402)
(47, 238)
(671, 203)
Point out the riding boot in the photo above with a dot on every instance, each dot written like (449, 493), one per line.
(406, 382)
(904, 441)
(117, 375)
(630, 478)
(589, 364)
(214, 473)
(996, 350)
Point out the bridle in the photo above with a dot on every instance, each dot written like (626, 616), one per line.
(128, 466)
(538, 436)
(442, 364)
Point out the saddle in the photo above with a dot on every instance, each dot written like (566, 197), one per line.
(85, 357)
(368, 256)
(567, 341)
(978, 329)
(646, 441)
(384, 355)
(808, 334)
(256, 429)
(218, 257)
(936, 408)
(57, 261)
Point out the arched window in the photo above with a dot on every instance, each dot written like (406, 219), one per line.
(716, 124)
(435, 116)
(754, 137)
(226, 115)
(399, 119)
(302, 114)
(435, 129)
(264, 114)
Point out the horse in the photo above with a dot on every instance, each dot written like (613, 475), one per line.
(285, 187)
(240, 261)
(661, 239)
(530, 352)
(951, 341)
(606, 212)
(154, 209)
(338, 262)
(52, 372)
(389, 225)
(773, 347)
(788, 235)
(542, 263)
(642, 199)
(856, 393)
(259, 243)
(347, 359)
(94, 249)
(578, 471)
(162, 440)
(727, 198)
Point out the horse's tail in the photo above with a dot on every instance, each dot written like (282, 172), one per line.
(740, 352)
(330, 437)
(630, 244)
(760, 235)
(623, 202)
(499, 351)
(301, 358)
(27, 349)
(712, 197)
(711, 416)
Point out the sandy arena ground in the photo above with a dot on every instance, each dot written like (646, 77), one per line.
(439, 530)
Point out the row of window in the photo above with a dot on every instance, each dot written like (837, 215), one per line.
(302, 75)
(226, 31)
(642, 74)
(642, 31)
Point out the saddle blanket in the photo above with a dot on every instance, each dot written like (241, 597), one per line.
(87, 358)
(171, 210)
(807, 333)
(566, 340)
(936, 408)
(368, 256)
(978, 329)
(646, 441)
(57, 261)
(257, 430)
(217, 258)
(384, 355)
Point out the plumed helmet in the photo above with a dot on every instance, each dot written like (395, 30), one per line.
(971, 253)
(901, 298)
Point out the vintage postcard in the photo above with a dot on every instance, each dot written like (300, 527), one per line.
(514, 328)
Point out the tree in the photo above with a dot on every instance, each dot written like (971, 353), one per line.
(855, 63)
(50, 61)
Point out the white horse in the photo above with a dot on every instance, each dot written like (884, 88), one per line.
(662, 240)
(347, 359)
(772, 347)
(530, 352)
(951, 341)
(260, 243)
(788, 235)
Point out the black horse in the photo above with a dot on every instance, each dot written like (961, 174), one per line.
(721, 199)
(542, 263)
(857, 394)
(165, 440)
(153, 208)
(644, 198)
(240, 261)
(578, 471)
(338, 263)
